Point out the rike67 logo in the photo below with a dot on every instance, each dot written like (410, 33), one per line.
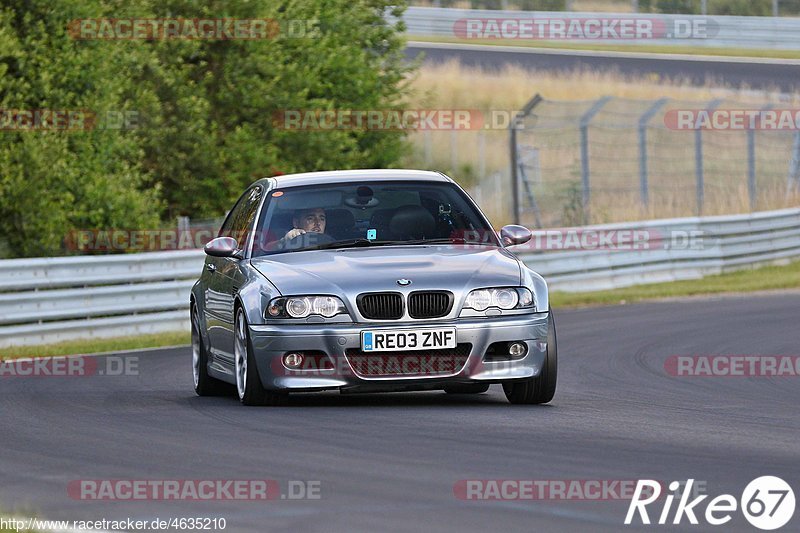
(767, 503)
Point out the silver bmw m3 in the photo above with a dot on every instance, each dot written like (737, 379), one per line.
(368, 281)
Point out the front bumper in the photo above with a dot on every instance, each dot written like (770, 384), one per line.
(271, 342)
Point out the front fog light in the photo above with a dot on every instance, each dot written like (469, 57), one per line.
(517, 349)
(293, 360)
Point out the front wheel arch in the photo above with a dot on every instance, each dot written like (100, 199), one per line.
(249, 388)
(542, 388)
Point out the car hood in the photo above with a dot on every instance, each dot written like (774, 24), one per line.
(351, 271)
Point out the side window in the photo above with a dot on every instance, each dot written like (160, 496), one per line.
(241, 218)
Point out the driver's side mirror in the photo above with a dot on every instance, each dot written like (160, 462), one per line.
(223, 247)
(513, 234)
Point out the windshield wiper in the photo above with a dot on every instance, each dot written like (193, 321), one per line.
(350, 243)
(365, 243)
(444, 240)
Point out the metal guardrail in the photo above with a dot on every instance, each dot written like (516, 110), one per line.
(723, 31)
(48, 300)
(723, 243)
(55, 299)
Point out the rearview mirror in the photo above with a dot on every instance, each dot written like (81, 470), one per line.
(223, 247)
(513, 234)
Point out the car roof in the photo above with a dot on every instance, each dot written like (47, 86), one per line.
(355, 176)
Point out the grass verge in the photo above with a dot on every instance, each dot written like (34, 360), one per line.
(761, 279)
(635, 48)
(90, 346)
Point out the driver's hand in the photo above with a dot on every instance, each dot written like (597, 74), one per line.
(294, 232)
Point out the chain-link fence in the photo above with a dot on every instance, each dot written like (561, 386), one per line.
(616, 159)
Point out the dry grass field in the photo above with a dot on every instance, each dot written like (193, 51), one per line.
(480, 159)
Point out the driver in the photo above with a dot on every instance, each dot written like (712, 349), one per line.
(306, 220)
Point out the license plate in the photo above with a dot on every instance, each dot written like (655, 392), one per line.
(411, 339)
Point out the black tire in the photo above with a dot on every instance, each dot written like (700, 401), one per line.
(204, 384)
(472, 388)
(254, 392)
(542, 388)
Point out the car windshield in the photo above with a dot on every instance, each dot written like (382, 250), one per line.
(364, 214)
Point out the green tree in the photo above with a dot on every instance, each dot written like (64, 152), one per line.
(204, 109)
(219, 133)
(54, 181)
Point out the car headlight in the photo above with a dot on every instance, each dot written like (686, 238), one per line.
(304, 306)
(503, 298)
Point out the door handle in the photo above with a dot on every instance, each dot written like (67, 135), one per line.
(211, 267)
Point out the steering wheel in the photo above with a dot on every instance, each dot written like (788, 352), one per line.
(305, 240)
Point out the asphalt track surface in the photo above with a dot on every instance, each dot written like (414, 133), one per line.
(389, 462)
(770, 75)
